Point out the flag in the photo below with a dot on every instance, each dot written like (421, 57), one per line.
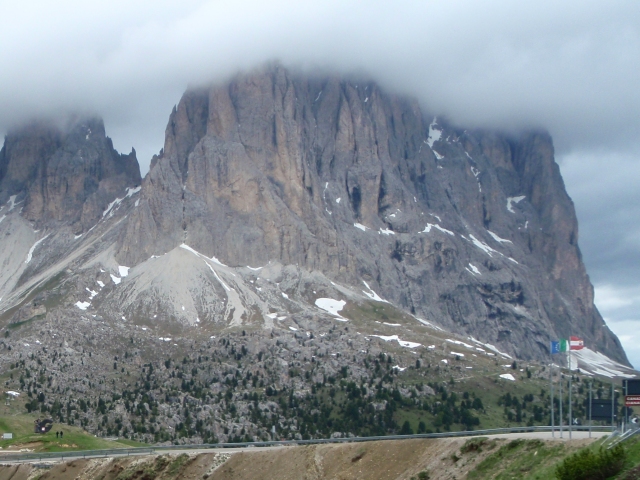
(564, 345)
(576, 343)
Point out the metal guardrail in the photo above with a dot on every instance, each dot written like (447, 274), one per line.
(617, 437)
(119, 452)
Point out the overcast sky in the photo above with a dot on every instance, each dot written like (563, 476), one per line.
(572, 67)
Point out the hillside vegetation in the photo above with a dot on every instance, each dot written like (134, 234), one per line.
(240, 386)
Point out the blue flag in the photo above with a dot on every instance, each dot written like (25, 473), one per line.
(555, 347)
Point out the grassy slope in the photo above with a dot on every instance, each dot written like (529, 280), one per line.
(537, 460)
(632, 447)
(524, 459)
(476, 374)
(74, 438)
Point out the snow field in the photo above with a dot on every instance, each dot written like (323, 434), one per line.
(403, 343)
(331, 306)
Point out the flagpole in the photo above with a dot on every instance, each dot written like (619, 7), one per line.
(626, 410)
(590, 403)
(560, 422)
(570, 378)
(553, 430)
(613, 405)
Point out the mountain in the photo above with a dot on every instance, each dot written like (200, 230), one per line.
(294, 231)
(64, 175)
(471, 230)
(55, 182)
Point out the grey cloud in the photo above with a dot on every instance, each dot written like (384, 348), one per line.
(619, 305)
(604, 185)
(568, 66)
(626, 330)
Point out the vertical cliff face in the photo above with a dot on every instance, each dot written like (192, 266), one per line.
(528, 168)
(22, 154)
(64, 174)
(469, 229)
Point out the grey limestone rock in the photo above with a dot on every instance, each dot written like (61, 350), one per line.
(64, 174)
(472, 230)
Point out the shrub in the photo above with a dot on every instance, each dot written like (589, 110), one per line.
(406, 428)
(423, 475)
(473, 445)
(589, 465)
(513, 444)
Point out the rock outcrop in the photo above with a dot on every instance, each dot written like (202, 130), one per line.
(472, 230)
(64, 175)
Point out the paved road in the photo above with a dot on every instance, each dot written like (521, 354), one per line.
(575, 435)
(549, 436)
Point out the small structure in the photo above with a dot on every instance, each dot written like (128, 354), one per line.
(7, 436)
(42, 426)
(10, 395)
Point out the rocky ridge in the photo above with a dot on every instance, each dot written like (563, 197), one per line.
(65, 175)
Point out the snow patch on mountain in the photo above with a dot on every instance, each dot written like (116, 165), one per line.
(599, 364)
(473, 269)
(330, 305)
(403, 343)
(435, 133)
(360, 226)
(371, 294)
(497, 238)
(429, 226)
(82, 305)
(33, 248)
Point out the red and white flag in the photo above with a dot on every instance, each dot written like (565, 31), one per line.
(576, 343)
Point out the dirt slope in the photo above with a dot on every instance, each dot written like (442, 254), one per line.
(443, 459)
(380, 460)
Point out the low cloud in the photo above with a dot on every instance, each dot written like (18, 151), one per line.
(627, 332)
(568, 66)
(605, 188)
(613, 299)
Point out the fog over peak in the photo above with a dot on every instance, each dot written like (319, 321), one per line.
(568, 67)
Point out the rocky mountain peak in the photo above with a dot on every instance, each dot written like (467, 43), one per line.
(472, 230)
(66, 174)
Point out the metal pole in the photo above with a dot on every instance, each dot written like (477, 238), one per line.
(626, 410)
(560, 422)
(553, 430)
(612, 406)
(590, 404)
(570, 409)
